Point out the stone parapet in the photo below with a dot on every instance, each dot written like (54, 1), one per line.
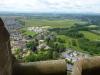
(51, 67)
(87, 66)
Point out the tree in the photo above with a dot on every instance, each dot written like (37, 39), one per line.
(55, 55)
(32, 45)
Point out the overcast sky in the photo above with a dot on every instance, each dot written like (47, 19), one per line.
(66, 6)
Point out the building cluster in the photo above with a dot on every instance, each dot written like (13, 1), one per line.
(73, 56)
(38, 29)
(16, 38)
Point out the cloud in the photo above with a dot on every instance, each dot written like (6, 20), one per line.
(50, 5)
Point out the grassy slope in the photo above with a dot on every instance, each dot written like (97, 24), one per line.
(91, 36)
(68, 41)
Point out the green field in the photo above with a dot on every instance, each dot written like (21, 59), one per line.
(68, 42)
(91, 36)
(52, 23)
(27, 32)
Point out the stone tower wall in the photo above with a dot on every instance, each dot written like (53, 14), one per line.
(5, 54)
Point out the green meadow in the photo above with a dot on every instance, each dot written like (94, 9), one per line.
(66, 23)
(91, 36)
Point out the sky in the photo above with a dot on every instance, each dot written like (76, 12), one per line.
(55, 6)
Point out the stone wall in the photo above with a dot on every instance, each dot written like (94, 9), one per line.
(5, 54)
(87, 66)
(51, 67)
